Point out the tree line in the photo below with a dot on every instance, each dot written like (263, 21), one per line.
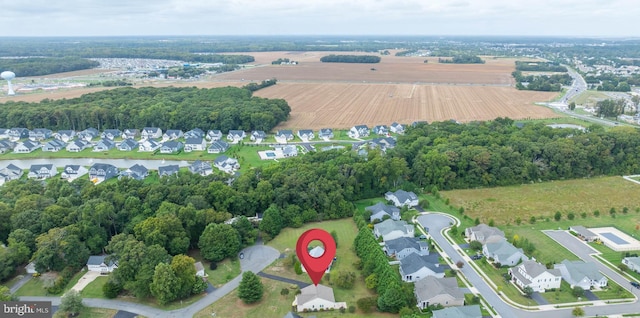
(168, 108)
(36, 66)
(539, 67)
(545, 83)
(462, 59)
(264, 84)
(350, 59)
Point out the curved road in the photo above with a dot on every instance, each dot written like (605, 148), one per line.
(256, 258)
(437, 222)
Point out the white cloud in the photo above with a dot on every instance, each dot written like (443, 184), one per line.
(142, 17)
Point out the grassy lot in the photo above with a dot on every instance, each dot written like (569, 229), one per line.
(34, 287)
(614, 258)
(589, 98)
(613, 291)
(495, 274)
(226, 271)
(89, 312)
(558, 120)
(94, 289)
(541, 200)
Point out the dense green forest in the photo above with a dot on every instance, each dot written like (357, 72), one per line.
(144, 225)
(462, 59)
(539, 67)
(350, 59)
(36, 66)
(546, 83)
(168, 108)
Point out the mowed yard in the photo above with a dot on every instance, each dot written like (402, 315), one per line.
(275, 305)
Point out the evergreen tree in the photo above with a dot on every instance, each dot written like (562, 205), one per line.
(250, 289)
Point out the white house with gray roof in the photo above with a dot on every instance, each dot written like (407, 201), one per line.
(484, 234)
(316, 298)
(214, 135)
(306, 134)
(151, 132)
(258, 136)
(325, 133)
(78, 145)
(415, 267)
(149, 145)
(169, 170)
(72, 172)
(431, 290)
(235, 136)
(358, 131)
(128, 145)
(402, 198)
(390, 229)
(98, 263)
(10, 172)
(504, 253)
(380, 130)
(583, 274)
(396, 128)
(317, 252)
(633, 263)
(535, 275)
(42, 172)
(472, 311)
(404, 246)
(282, 136)
(380, 210)
(26, 147)
(6, 145)
(100, 172)
(111, 134)
(54, 145)
(64, 135)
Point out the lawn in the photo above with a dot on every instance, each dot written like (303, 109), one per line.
(226, 271)
(509, 290)
(589, 98)
(94, 289)
(89, 312)
(34, 287)
(614, 258)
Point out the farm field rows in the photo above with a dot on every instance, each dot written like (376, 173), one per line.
(342, 105)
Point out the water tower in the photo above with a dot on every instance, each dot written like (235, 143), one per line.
(8, 76)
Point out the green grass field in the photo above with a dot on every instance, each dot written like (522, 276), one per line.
(94, 289)
(35, 287)
(89, 312)
(226, 271)
(589, 98)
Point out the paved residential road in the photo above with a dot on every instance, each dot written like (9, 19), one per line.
(284, 280)
(256, 258)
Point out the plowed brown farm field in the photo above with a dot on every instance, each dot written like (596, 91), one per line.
(342, 105)
(390, 69)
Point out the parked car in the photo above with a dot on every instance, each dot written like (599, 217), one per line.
(476, 257)
(423, 237)
(635, 284)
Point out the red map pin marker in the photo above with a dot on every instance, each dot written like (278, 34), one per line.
(316, 266)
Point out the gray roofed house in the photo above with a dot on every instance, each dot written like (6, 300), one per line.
(98, 263)
(88, 134)
(16, 134)
(6, 145)
(379, 210)
(584, 233)
(472, 311)
(396, 128)
(128, 145)
(402, 198)
(72, 172)
(236, 136)
(194, 133)
(54, 145)
(168, 170)
(580, 273)
(10, 172)
(419, 122)
(149, 145)
(131, 133)
(64, 135)
(380, 130)
(403, 246)
(218, 146)
(39, 134)
(325, 133)
(633, 263)
(258, 136)
(4, 133)
(26, 146)
(151, 132)
(214, 135)
(415, 267)
(100, 172)
(137, 171)
(78, 145)
(111, 134)
(104, 145)
(306, 134)
(484, 234)
(195, 144)
(171, 147)
(290, 151)
(41, 172)
(317, 252)
(200, 167)
(200, 269)
(315, 298)
(504, 253)
(226, 164)
(172, 134)
(282, 136)
(535, 275)
(358, 131)
(432, 290)
(390, 229)
(383, 143)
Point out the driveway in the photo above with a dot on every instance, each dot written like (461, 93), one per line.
(284, 280)
(87, 278)
(539, 299)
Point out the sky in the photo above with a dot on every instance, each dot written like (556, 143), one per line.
(610, 18)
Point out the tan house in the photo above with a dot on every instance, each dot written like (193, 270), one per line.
(316, 298)
(431, 291)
